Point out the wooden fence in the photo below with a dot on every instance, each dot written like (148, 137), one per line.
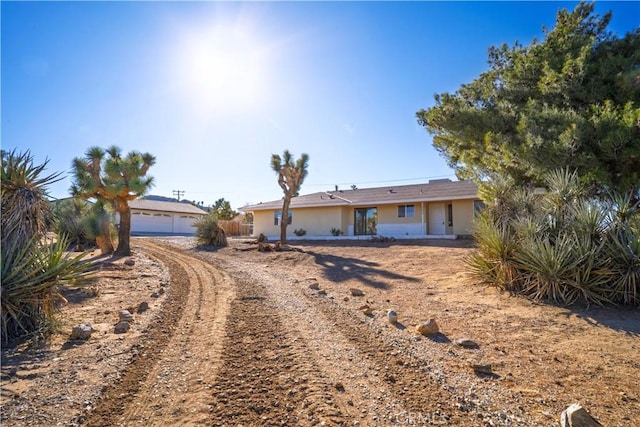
(235, 228)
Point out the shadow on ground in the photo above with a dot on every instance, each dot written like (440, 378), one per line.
(339, 269)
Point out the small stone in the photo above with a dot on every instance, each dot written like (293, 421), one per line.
(356, 292)
(576, 416)
(161, 291)
(366, 309)
(392, 316)
(345, 299)
(125, 315)
(314, 286)
(155, 295)
(339, 386)
(466, 343)
(81, 332)
(322, 292)
(142, 307)
(130, 262)
(121, 327)
(430, 327)
(481, 369)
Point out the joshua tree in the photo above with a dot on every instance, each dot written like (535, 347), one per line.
(290, 177)
(116, 180)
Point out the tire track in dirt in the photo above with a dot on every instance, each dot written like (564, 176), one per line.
(267, 377)
(169, 381)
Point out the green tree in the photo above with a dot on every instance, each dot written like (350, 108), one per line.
(570, 101)
(291, 175)
(109, 177)
(223, 210)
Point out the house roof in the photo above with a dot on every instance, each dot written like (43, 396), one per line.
(156, 205)
(432, 191)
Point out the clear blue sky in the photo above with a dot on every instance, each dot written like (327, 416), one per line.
(212, 89)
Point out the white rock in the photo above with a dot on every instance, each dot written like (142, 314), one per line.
(392, 316)
(125, 315)
(576, 416)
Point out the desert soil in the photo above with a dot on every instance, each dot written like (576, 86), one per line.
(238, 337)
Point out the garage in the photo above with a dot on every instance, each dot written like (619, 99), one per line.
(162, 217)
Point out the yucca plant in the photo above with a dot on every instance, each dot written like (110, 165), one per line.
(493, 262)
(623, 263)
(25, 209)
(31, 278)
(31, 269)
(208, 232)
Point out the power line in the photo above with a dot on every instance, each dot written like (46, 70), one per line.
(382, 182)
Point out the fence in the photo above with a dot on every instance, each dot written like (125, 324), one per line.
(235, 228)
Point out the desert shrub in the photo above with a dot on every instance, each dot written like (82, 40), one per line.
(566, 247)
(336, 231)
(300, 232)
(69, 216)
(208, 232)
(32, 269)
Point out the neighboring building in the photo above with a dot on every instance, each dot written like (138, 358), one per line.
(438, 209)
(161, 217)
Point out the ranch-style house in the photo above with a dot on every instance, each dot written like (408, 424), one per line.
(442, 209)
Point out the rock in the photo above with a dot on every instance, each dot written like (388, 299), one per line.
(125, 315)
(576, 416)
(481, 369)
(366, 309)
(314, 286)
(121, 327)
(345, 299)
(322, 292)
(142, 307)
(466, 343)
(81, 332)
(155, 295)
(430, 327)
(130, 262)
(356, 292)
(392, 316)
(161, 291)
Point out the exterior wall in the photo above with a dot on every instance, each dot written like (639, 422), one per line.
(319, 221)
(462, 217)
(389, 224)
(315, 221)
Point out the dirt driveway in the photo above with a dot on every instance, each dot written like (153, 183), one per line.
(236, 337)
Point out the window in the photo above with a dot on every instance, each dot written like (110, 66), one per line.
(450, 214)
(478, 205)
(406, 211)
(278, 214)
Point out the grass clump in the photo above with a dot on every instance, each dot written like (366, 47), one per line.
(209, 233)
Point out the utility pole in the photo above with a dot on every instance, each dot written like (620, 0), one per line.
(178, 193)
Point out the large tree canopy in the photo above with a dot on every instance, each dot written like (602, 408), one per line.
(571, 100)
(110, 177)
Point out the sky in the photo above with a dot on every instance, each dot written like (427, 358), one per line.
(213, 89)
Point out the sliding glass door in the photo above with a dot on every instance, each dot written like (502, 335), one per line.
(365, 221)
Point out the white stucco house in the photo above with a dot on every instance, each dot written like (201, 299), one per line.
(160, 217)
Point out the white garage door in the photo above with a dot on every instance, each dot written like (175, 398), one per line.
(184, 224)
(143, 222)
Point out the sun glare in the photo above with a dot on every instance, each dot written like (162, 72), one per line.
(222, 68)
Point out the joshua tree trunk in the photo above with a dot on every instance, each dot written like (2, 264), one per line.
(284, 220)
(124, 230)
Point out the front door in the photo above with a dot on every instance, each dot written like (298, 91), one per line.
(436, 219)
(365, 221)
